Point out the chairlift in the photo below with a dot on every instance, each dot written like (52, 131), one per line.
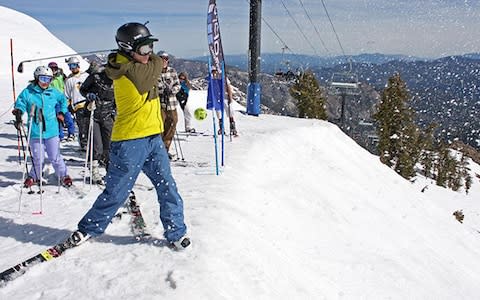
(288, 75)
(344, 83)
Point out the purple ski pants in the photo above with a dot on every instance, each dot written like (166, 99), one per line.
(50, 146)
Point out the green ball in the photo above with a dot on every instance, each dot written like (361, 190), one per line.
(200, 113)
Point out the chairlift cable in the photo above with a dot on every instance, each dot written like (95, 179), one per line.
(336, 35)
(299, 28)
(284, 44)
(275, 33)
(314, 26)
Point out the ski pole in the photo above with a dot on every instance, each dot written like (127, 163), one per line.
(18, 147)
(89, 149)
(58, 189)
(42, 157)
(175, 146)
(179, 146)
(26, 168)
(222, 105)
(26, 157)
(20, 135)
(215, 141)
(29, 151)
(20, 66)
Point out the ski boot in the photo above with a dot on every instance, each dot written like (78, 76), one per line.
(181, 244)
(233, 129)
(96, 176)
(76, 238)
(219, 132)
(67, 181)
(29, 182)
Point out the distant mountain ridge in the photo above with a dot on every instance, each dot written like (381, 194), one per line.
(272, 62)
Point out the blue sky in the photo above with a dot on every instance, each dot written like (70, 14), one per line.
(428, 28)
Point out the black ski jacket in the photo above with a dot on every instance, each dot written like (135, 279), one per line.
(102, 86)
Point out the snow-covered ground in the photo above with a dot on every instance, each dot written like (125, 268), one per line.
(299, 212)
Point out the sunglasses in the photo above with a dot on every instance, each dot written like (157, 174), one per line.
(181, 78)
(45, 78)
(73, 66)
(145, 49)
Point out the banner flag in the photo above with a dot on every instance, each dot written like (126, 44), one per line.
(216, 85)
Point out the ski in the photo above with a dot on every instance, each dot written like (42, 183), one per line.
(46, 255)
(137, 223)
(184, 163)
(198, 133)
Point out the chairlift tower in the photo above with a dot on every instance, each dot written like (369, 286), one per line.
(254, 89)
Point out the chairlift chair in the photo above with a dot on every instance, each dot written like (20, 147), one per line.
(285, 75)
(345, 83)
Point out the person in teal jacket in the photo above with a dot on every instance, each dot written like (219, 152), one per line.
(38, 100)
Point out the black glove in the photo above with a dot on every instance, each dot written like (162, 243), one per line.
(91, 97)
(18, 118)
(90, 101)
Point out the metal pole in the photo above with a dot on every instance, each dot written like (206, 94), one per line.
(254, 88)
(342, 114)
(20, 65)
(13, 73)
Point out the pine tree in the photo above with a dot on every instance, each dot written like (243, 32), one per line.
(398, 135)
(465, 173)
(441, 166)
(448, 169)
(428, 152)
(310, 101)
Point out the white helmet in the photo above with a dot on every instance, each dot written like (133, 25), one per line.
(72, 60)
(42, 70)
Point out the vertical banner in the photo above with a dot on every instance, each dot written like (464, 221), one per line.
(216, 85)
(213, 35)
(215, 95)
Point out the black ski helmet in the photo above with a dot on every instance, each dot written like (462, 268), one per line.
(132, 35)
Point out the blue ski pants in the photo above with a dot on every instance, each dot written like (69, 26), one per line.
(69, 124)
(127, 159)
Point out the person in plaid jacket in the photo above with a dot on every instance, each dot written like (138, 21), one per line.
(169, 86)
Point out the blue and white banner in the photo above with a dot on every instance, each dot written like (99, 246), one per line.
(213, 36)
(215, 95)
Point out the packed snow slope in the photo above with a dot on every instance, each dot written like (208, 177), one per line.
(298, 212)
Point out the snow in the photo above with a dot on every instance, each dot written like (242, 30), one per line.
(299, 212)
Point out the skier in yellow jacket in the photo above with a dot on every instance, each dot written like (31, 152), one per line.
(136, 139)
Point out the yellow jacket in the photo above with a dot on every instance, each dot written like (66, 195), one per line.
(136, 97)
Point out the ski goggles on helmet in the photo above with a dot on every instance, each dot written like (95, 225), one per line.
(45, 78)
(73, 66)
(145, 49)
